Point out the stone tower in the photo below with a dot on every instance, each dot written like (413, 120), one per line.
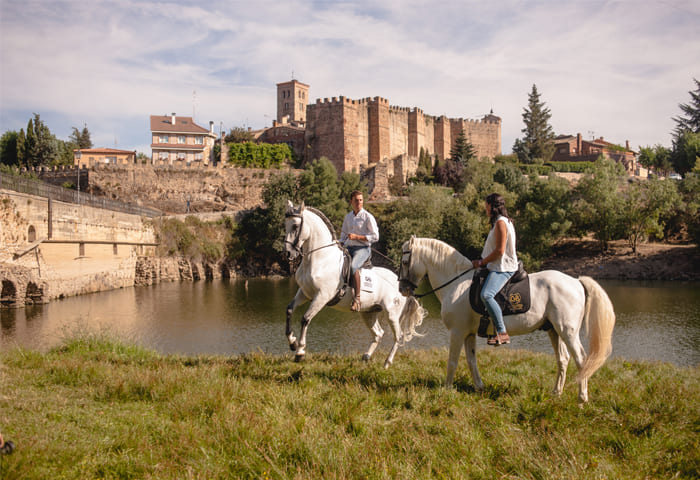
(292, 98)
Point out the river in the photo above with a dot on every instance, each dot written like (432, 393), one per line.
(655, 321)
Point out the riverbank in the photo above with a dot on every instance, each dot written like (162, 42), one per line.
(100, 409)
(652, 261)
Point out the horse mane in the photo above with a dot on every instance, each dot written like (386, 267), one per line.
(328, 223)
(441, 253)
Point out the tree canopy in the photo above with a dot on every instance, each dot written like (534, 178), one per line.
(538, 142)
(690, 120)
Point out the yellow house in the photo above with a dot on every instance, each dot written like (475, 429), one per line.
(88, 157)
(178, 140)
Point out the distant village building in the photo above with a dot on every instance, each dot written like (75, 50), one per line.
(178, 140)
(569, 148)
(88, 157)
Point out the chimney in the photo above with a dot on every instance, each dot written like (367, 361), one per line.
(578, 144)
(211, 126)
(627, 144)
(173, 119)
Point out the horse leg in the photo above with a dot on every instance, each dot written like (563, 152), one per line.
(372, 322)
(298, 299)
(456, 339)
(572, 340)
(316, 305)
(562, 356)
(470, 351)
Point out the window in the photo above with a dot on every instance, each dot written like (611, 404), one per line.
(114, 248)
(286, 107)
(181, 139)
(163, 155)
(198, 156)
(112, 160)
(181, 155)
(164, 139)
(81, 250)
(31, 234)
(199, 140)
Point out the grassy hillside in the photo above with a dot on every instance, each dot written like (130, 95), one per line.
(98, 408)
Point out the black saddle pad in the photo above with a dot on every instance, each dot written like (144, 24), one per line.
(513, 298)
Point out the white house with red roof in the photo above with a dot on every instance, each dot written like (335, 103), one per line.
(179, 141)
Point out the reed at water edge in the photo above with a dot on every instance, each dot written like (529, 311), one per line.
(97, 407)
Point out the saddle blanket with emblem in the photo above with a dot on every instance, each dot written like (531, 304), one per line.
(368, 280)
(513, 298)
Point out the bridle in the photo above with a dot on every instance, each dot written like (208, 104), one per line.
(295, 245)
(405, 279)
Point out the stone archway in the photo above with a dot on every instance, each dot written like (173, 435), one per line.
(34, 295)
(8, 295)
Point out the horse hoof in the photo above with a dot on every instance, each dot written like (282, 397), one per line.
(365, 358)
(299, 357)
(293, 346)
(387, 365)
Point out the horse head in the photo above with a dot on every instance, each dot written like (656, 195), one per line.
(294, 236)
(411, 270)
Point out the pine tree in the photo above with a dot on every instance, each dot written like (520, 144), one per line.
(538, 142)
(462, 151)
(691, 120)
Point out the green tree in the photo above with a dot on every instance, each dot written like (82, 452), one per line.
(542, 216)
(597, 206)
(80, 138)
(690, 121)
(690, 212)
(686, 151)
(644, 204)
(238, 135)
(319, 187)
(462, 151)
(538, 142)
(9, 148)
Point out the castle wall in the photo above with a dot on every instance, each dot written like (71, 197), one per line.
(358, 134)
(398, 131)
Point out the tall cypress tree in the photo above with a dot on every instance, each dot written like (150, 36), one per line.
(691, 120)
(538, 142)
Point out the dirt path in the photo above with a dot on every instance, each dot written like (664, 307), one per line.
(652, 261)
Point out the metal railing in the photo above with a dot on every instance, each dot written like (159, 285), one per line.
(42, 189)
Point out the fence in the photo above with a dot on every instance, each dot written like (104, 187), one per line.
(41, 189)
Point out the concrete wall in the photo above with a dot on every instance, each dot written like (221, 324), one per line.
(65, 249)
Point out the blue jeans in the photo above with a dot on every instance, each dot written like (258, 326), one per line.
(359, 255)
(493, 284)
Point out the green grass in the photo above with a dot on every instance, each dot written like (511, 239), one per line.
(101, 409)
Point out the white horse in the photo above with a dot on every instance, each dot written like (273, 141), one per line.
(308, 233)
(564, 302)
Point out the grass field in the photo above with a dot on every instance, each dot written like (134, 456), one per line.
(97, 408)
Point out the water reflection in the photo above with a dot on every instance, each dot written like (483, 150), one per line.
(658, 321)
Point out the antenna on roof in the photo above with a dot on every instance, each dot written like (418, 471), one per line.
(194, 98)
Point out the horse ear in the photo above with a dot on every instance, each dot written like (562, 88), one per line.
(301, 207)
(410, 241)
(290, 205)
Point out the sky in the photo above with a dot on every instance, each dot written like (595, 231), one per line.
(616, 69)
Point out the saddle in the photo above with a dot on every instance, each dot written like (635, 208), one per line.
(513, 298)
(344, 282)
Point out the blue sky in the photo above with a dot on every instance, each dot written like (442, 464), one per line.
(616, 69)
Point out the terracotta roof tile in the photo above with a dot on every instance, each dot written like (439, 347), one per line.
(163, 123)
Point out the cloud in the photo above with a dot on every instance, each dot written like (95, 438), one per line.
(615, 68)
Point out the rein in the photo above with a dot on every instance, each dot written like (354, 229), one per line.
(443, 285)
(295, 245)
(421, 295)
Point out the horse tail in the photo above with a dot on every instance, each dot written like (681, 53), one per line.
(411, 317)
(599, 321)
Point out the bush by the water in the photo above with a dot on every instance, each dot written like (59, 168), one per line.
(98, 408)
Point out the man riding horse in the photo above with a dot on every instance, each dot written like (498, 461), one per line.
(358, 233)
